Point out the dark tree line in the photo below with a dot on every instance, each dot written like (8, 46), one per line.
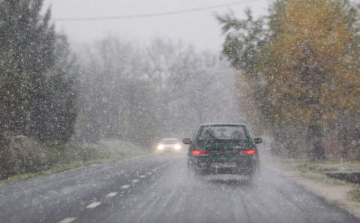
(37, 74)
(141, 94)
(51, 101)
(117, 89)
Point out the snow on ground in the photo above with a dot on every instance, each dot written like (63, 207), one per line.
(333, 191)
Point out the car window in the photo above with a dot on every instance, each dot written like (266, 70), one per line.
(223, 133)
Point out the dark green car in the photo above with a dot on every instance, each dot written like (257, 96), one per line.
(223, 149)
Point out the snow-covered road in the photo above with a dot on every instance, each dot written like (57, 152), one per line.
(159, 189)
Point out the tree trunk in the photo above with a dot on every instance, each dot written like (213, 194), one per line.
(4, 170)
(316, 134)
(344, 143)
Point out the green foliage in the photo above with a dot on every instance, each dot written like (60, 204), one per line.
(243, 47)
(22, 32)
(16, 91)
(243, 40)
(38, 77)
(59, 107)
(37, 88)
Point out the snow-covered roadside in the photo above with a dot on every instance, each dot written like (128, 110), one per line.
(79, 155)
(333, 193)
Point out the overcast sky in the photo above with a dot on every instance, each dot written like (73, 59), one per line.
(198, 28)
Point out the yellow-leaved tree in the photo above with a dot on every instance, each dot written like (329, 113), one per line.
(312, 69)
(308, 58)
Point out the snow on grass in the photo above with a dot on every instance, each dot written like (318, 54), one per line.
(312, 176)
(305, 165)
(79, 154)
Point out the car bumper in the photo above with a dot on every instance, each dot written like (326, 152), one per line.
(169, 151)
(224, 165)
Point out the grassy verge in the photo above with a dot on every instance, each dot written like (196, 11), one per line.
(317, 170)
(49, 160)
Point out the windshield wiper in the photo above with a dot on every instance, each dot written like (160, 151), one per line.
(210, 134)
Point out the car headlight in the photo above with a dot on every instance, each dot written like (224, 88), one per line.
(177, 146)
(160, 147)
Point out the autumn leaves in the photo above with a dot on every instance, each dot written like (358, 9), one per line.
(307, 64)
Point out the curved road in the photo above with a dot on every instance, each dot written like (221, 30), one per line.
(159, 189)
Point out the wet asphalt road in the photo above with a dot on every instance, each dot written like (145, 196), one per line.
(159, 189)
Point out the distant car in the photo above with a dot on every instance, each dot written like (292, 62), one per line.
(223, 149)
(169, 146)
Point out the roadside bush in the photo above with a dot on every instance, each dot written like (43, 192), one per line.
(355, 194)
(20, 154)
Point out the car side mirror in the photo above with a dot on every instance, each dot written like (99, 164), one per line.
(258, 140)
(187, 141)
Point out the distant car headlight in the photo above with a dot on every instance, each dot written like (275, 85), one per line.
(177, 146)
(160, 147)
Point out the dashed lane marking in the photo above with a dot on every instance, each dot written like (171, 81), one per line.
(125, 187)
(148, 173)
(112, 194)
(93, 205)
(67, 220)
(135, 181)
(142, 176)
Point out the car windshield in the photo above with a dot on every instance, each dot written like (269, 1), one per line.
(223, 133)
(169, 141)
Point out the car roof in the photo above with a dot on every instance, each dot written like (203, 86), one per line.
(170, 139)
(214, 124)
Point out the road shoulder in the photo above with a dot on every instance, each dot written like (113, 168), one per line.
(331, 190)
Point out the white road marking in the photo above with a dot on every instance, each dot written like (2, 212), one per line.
(125, 187)
(135, 181)
(112, 194)
(142, 176)
(154, 170)
(67, 220)
(148, 173)
(93, 205)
